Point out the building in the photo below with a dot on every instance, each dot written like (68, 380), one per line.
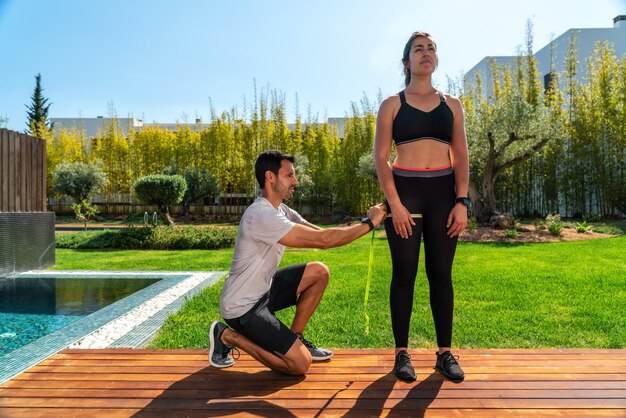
(93, 127)
(586, 40)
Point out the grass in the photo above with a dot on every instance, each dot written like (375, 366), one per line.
(507, 295)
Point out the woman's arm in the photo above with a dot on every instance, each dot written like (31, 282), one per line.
(402, 221)
(457, 219)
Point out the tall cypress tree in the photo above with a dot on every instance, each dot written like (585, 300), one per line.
(38, 111)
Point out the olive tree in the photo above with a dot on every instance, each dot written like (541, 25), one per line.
(80, 181)
(510, 127)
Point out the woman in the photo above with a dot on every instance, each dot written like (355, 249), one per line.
(426, 194)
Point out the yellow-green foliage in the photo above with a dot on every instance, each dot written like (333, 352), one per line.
(112, 150)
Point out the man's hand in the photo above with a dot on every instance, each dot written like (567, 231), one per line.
(377, 213)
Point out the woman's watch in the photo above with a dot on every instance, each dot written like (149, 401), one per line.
(369, 222)
(465, 200)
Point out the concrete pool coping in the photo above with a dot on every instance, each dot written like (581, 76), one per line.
(17, 361)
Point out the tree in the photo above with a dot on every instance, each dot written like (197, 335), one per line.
(200, 184)
(80, 181)
(161, 190)
(38, 124)
(304, 190)
(356, 196)
(65, 146)
(4, 121)
(508, 128)
(111, 148)
(319, 145)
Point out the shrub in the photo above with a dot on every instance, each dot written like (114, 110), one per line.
(510, 233)
(84, 211)
(583, 227)
(554, 224)
(159, 238)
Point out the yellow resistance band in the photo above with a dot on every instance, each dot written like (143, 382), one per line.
(367, 284)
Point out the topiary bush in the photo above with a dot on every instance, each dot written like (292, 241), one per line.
(161, 190)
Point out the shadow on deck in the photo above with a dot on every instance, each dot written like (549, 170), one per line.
(355, 383)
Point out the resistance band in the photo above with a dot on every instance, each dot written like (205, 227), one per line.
(369, 274)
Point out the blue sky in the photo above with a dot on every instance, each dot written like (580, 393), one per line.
(164, 60)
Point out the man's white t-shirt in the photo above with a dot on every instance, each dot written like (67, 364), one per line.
(257, 255)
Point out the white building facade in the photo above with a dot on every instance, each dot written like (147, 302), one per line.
(585, 39)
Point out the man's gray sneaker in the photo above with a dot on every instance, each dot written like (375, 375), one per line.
(218, 351)
(447, 364)
(403, 369)
(317, 354)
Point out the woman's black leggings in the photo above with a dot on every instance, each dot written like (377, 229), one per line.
(431, 194)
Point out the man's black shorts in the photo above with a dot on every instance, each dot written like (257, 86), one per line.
(260, 325)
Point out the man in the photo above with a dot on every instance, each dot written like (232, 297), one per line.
(254, 289)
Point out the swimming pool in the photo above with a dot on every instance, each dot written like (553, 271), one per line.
(32, 307)
(169, 289)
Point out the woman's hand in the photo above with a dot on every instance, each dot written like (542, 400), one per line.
(457, 220)
(402, 221)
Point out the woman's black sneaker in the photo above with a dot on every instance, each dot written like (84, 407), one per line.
(403, 369)
(447, 364)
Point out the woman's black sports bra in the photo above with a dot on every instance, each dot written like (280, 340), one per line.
(412, 124)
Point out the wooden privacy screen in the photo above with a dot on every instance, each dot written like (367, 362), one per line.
(22, 172)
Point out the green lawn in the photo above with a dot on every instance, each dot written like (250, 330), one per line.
(569, 294)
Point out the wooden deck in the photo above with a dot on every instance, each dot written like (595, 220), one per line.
(356, 383)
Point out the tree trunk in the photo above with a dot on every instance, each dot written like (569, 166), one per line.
(484, 200)
(186, 206)
(488, 199)
(165, 211)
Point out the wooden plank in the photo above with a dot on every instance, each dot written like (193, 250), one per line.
(354, 377)
(20, 172)
(12, 180)
(42, 194)
(28, 187)
(308, 385)
(337, 363)
(338, 369)
(428, 413)
(373, 351)
(4, 170)
(299, 403)
(202, 355)
(299, 393)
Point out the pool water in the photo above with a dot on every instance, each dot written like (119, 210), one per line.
(33, 307)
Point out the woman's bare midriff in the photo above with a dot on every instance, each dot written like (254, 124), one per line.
(425, 153)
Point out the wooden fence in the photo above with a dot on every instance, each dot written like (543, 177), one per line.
(22, 172)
